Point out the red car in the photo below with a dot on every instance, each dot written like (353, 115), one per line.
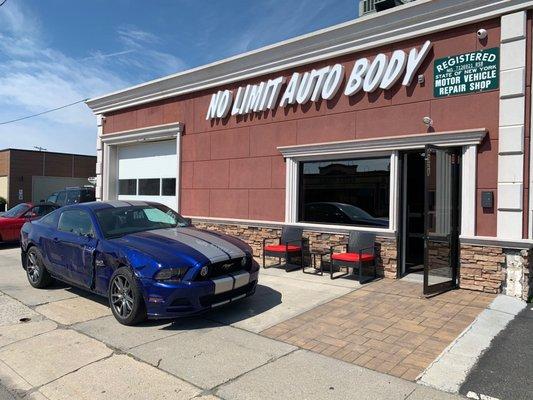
(12, 220)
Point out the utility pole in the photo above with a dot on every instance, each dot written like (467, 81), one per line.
(44, 156)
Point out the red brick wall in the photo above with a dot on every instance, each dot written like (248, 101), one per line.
(232, 168)
(25, 164)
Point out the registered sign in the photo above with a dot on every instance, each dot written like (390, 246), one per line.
(467, 73)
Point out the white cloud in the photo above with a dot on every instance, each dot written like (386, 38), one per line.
(35, 77)
(134, 37)
(269, 23)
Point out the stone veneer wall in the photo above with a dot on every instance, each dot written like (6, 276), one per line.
(493, 269)
(482, 268)
(487, 269)
(254, 235)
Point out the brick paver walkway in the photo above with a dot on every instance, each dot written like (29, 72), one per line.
(386, 326)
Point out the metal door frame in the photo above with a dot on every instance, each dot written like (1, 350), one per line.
(453, 237)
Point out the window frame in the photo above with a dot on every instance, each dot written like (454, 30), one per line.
(301, 205)
(292, 200)
(63, 212)
(136, 191)
(173, 185)
(149, 179)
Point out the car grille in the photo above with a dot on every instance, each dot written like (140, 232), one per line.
(225, 267)
(206, 301)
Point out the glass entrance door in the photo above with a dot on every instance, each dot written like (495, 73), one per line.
(441, 233)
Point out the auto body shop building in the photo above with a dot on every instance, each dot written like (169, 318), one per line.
(413, 123)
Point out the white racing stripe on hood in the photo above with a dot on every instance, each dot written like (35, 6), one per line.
(228, 247)
(212, 252)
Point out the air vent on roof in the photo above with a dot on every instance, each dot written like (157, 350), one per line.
(370, 6)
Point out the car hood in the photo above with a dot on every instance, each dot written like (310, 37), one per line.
(189, 246)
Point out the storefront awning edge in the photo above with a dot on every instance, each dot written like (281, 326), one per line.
(390, 143)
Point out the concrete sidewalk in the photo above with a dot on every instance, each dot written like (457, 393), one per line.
(70, 347)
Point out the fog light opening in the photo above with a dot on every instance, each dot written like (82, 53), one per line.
(155, 299)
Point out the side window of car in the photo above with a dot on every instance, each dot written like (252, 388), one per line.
(86, 196)
(73, 197)
(37, 211)
(52, 198)
(50, 219)
(46, 209)
(61, 198)
(76, 221)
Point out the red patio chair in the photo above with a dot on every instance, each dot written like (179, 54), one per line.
(360, 249)
(288, 246)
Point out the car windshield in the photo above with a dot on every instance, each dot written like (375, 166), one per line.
(16, 211)
(117, 222)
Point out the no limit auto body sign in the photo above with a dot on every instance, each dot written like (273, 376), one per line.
(467, 73)
(324, 83)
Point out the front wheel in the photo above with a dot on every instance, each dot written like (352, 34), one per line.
(37, 274)
(125, 298)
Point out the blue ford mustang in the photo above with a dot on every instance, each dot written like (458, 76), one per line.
(148, 260)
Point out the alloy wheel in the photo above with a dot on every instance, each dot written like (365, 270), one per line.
(33, 268)
(122, 297)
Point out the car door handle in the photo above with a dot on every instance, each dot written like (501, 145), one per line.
(56, 240)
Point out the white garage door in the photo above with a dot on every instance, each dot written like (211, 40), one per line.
(148, 171)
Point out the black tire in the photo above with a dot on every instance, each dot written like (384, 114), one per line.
(36, 272)
(125, 298)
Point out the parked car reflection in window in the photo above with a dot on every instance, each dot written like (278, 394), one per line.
(345, 192)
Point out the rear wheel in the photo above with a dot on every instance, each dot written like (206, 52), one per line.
(36, 272)
(125, 298)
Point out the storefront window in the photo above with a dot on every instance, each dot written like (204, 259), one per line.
(345, 192)
(127, 187)
(149, 187)
(168, 187)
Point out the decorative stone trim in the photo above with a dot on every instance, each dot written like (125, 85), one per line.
(481, 268)
(387, 264)
(493, 269)
(489, 269)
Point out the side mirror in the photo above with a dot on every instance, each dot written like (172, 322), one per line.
(30, 214)
(188, 221)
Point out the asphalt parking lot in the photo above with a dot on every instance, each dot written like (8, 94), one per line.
(71, 347)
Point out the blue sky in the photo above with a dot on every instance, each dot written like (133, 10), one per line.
(55, 52)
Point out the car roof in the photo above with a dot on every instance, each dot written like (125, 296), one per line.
(102, 205)
(45, 203)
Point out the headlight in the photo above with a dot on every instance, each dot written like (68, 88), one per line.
(171, 274)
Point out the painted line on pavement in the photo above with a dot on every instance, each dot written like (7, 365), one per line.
(480, 396)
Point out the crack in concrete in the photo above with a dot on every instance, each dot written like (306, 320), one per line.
(269, 361)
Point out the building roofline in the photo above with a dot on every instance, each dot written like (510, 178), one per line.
(410, 20)
(47, 152)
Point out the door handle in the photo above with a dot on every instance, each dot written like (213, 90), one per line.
(56, 240)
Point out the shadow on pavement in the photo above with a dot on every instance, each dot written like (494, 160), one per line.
(8, 245)
(263, 300)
